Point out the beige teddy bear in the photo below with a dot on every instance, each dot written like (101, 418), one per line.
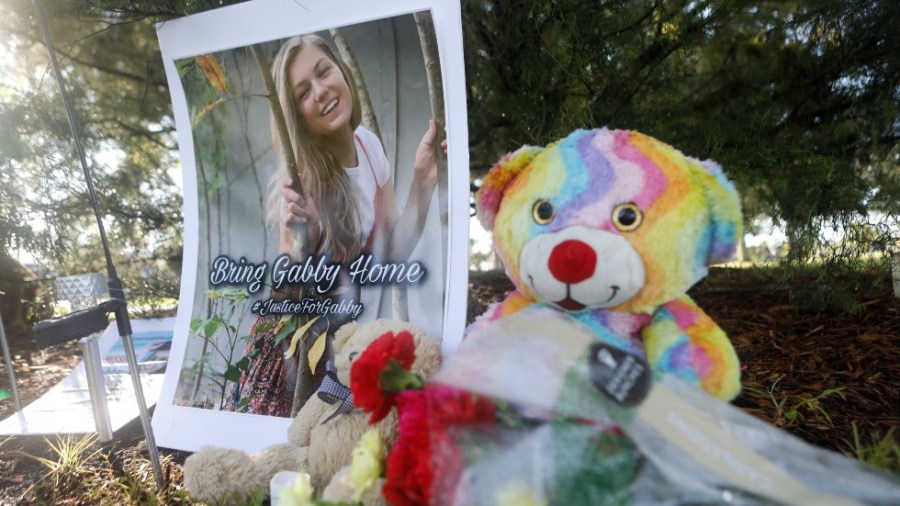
(313, 445)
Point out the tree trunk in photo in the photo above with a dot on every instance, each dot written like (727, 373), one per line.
(287, 149)
(304, 375)
(425, 27)
(304, 388)
(370, 121)
(430, 56)
(198, 161)
(365, 102)
(432, 61)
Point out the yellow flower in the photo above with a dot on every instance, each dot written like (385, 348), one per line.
(371, 442)
(366, 465)
(299, 493)
(517, 493)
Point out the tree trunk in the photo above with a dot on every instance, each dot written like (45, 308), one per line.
(365, 103)
(304, 375)
(369, 119)
(287, 149)
(431, 58)
(425, 27)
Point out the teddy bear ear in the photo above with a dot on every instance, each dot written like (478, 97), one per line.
(725, 212)
(489, 196)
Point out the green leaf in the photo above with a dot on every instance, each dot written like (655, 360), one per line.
(243, 364)
(215, 184)
(394, 378)
(233, 373)
(184, 65)
(287, 330)
(4, 394)
(211, 327)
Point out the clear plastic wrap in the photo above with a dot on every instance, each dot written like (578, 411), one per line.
(561, 437)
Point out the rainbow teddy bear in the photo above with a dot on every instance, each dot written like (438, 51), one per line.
(613, 227)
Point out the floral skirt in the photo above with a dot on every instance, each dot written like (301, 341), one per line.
(267, 386)
(268, 380)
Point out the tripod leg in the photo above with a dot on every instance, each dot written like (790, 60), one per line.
(142, 406)
(9, 368)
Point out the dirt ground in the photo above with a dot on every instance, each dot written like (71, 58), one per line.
(816, 375)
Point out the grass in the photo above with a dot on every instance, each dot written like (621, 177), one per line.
(80, 471)
(789, 410)
(879, 451)
(69, 467)
(71, 456)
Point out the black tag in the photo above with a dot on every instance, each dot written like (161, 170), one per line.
(621, 376)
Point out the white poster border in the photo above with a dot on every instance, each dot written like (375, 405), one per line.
(188, 428)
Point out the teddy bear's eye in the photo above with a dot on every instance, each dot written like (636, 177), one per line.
(353, 355)
(543, 212)
(627, 217)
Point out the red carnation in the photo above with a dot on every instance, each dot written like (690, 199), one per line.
(408, 475)
(451, 407)
(381, 371)
(425, 464)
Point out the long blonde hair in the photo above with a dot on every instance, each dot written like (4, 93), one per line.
(327, 181)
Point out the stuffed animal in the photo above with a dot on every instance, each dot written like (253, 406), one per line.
(319, 441)
(612, 228)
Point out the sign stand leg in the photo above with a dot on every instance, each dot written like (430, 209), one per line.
(135, 373)
(7, 358)
(93, 370)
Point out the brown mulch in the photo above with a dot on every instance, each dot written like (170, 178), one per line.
(816, 375)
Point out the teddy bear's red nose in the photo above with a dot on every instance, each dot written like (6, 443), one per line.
(572, 261)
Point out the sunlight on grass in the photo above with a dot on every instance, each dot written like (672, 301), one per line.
(81, 472)
(69, 463)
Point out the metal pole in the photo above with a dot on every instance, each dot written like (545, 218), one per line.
(116, 291)
(93, 373)
(7, 358)
(142, 405)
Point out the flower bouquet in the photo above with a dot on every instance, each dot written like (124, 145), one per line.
(596, 426)
(456, 447)
(536, 412)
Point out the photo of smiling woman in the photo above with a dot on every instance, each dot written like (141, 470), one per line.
(344, 209)
(319, 191)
